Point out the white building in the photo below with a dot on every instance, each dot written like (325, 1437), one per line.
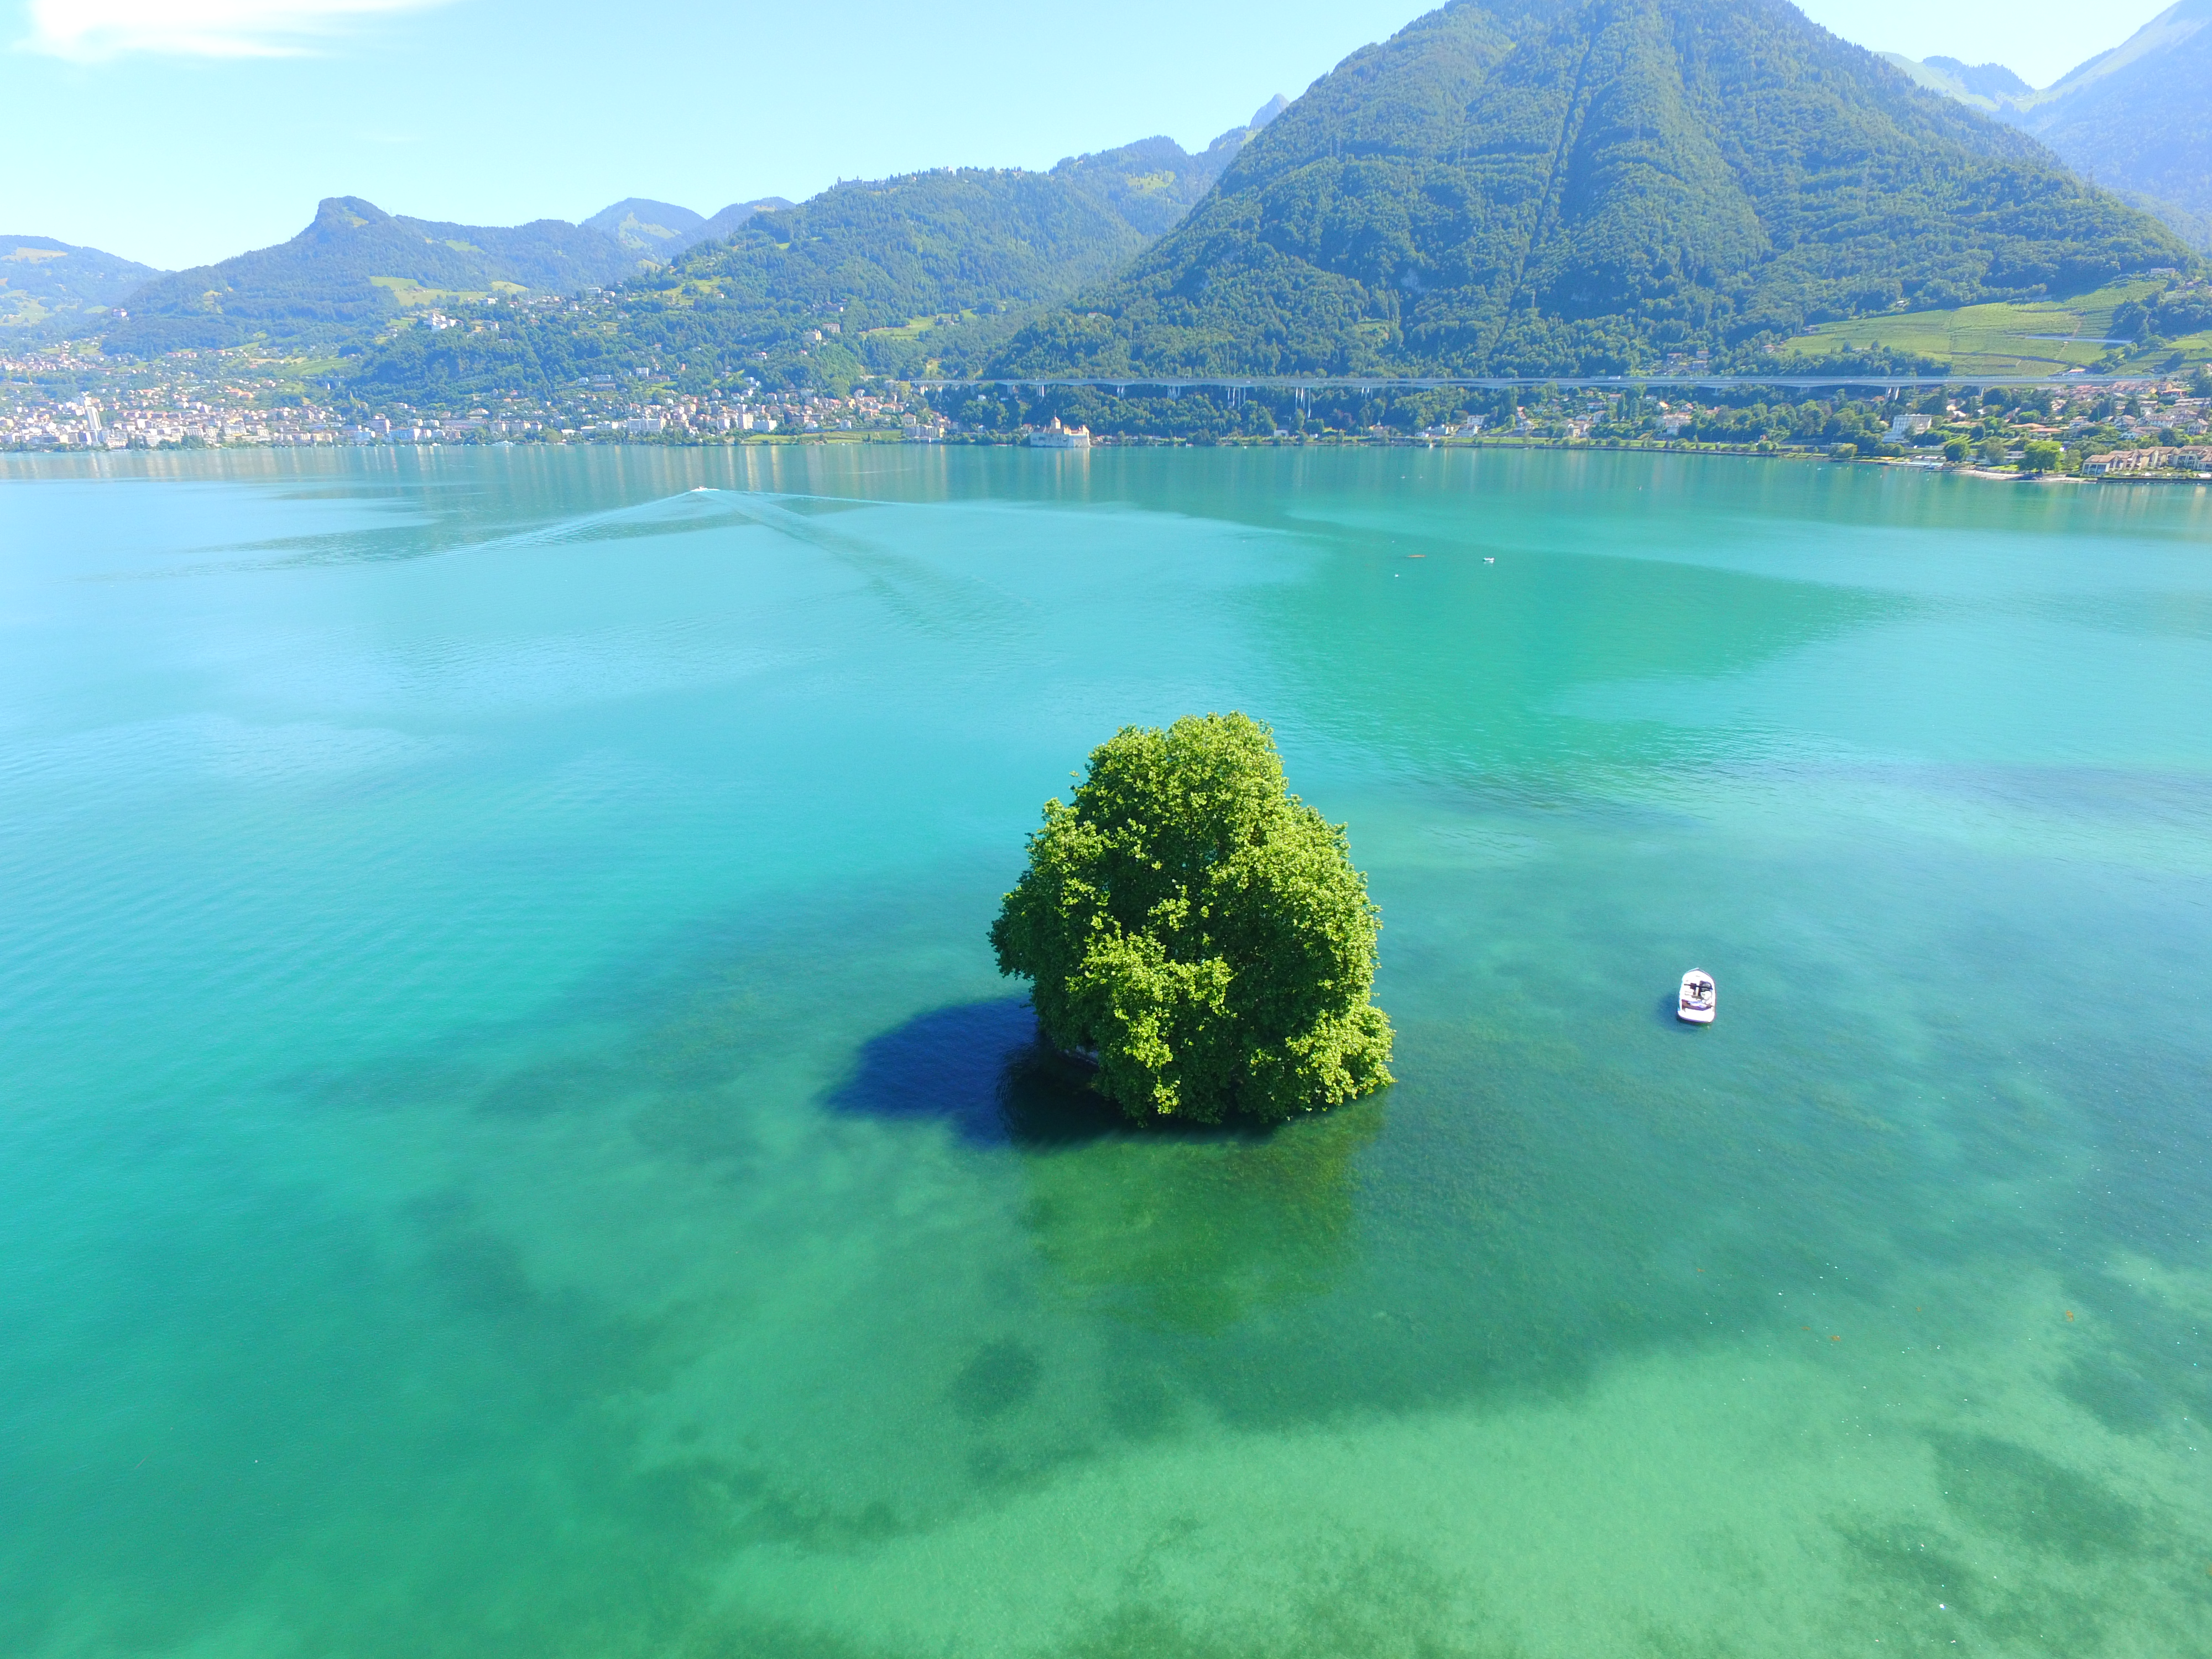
(1057, 436)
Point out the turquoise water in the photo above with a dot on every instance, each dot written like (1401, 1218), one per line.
(511, 1142)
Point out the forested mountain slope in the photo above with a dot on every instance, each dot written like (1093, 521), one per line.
(655, 229)
(2140, 117)
(896, 275)
(660, 230)
(352, 270)
(46, 283)
(947, 241)
(1988, 87)
(1543, 186)
(2137, 118)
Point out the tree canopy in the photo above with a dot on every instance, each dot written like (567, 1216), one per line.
(1201, 930)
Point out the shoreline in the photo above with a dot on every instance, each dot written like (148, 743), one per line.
(1330, 440)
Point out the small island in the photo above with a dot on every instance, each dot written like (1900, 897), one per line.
(1200, 932)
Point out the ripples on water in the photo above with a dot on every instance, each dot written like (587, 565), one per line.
(512, 1143)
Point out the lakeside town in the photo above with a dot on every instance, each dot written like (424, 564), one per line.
(68, 399)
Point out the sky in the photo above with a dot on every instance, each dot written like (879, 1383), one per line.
(181, 131)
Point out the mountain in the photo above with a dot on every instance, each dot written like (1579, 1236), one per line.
(1223, 151)
(725, 222)
(661, 230)
(354, 269)
(1988, 87)
(655, 229)
(885, 254)
(2134, 118)
(46, 283)
(895, 274)
(2138, 117)
(1982, 80)
(1542, 186)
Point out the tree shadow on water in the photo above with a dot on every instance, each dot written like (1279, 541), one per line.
(1179, 1226)
(983, 1069)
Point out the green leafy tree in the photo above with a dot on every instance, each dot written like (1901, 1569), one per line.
(1201, 930)
(2042, 455)
(1956, 450)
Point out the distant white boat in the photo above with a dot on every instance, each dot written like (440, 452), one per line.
(1698, 998)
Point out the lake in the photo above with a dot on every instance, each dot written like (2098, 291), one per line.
(513, 1143)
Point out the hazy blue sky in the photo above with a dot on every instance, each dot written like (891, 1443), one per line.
(177, 131)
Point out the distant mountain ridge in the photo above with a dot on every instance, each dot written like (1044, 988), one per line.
(661, 230)
(647, 228)
(1544, 186)
(356, 268)
(724, 223)
(47, 284)
(352, 270)
(954, 239)
(893, 275)
(1984, 86)
(2140, 117)
(2137, 118)
(1990, 80)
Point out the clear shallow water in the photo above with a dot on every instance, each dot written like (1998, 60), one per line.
(511, 1142)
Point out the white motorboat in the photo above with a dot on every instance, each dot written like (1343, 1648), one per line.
(1698, 998)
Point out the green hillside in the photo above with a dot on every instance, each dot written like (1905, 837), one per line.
(661, 230)
(876, 255)
(2135, 120)
(2137, 117)
(350, 271)
(654, 229)
(724, 223)
(2036, 336)
(1549, 186)
(896, 276)
(45, 285)
(1988, 87)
